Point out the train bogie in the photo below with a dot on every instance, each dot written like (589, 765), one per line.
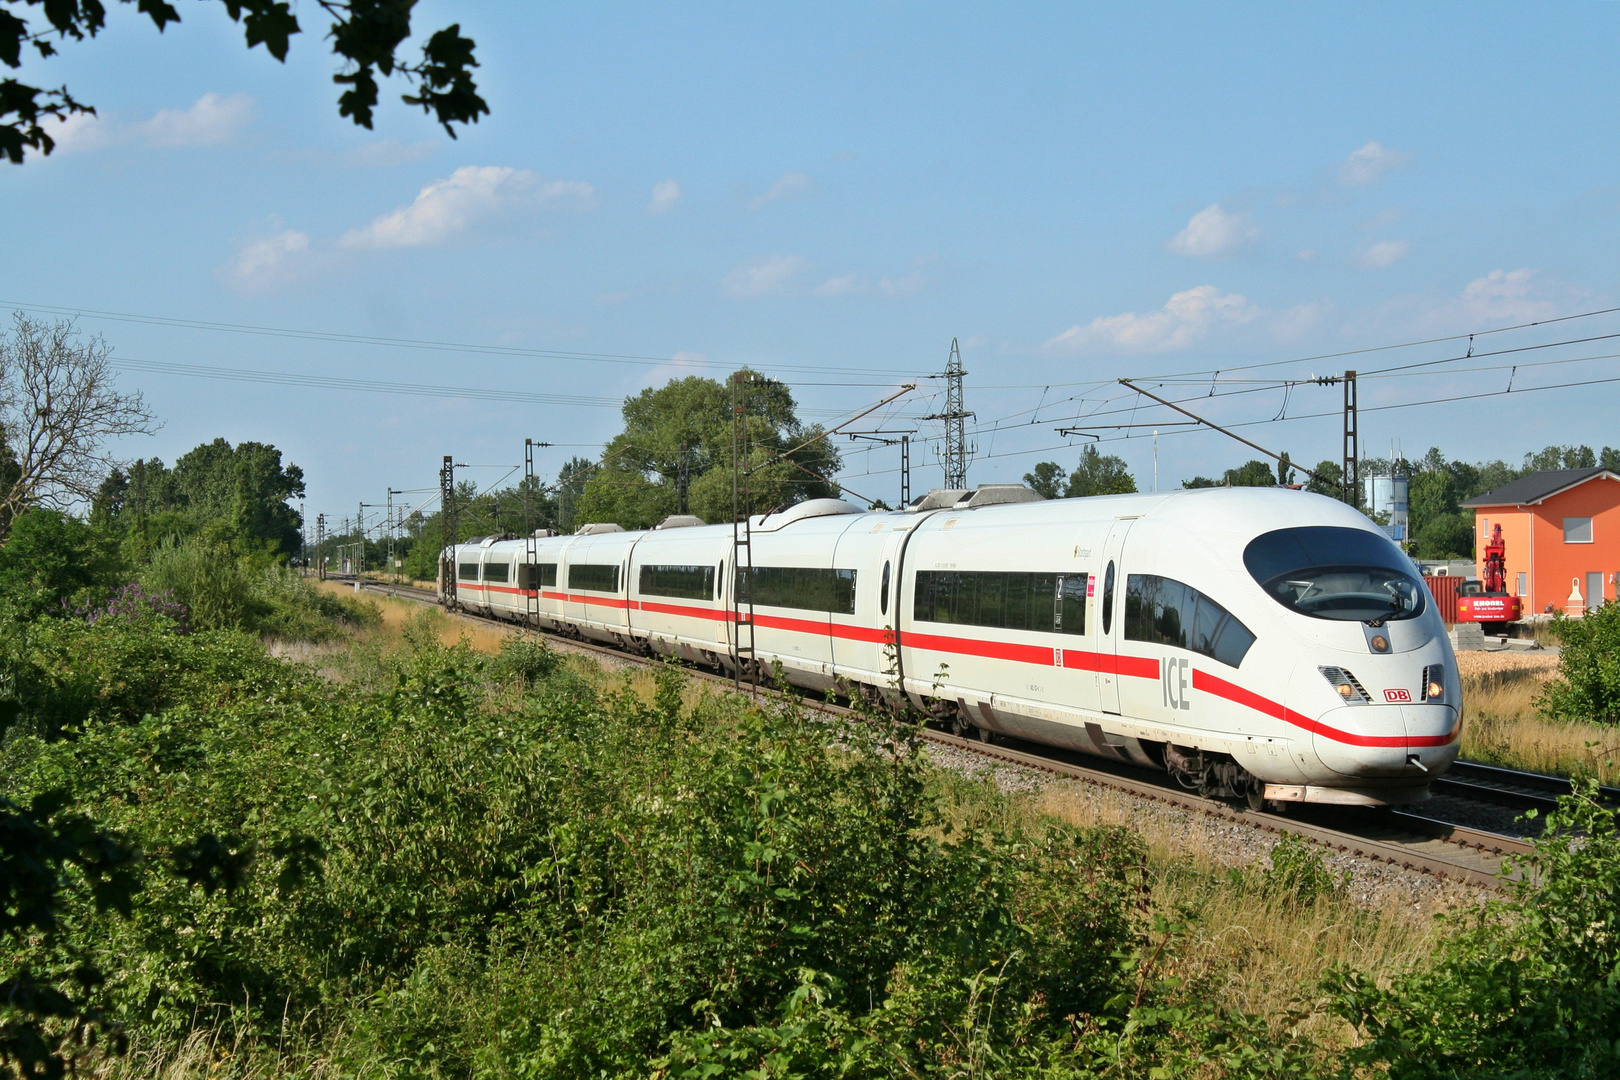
(1254, 643)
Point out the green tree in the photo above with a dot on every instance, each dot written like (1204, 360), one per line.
(1252, 473)
(1099, 474)
(1560, 457)
(1610, 458)
(367, 36)
(1046, 479)
(1329, 479)
(674, 455)
(1447, 536)
(52, 560)
(236, 495)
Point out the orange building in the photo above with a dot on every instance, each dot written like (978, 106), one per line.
(1562, 532)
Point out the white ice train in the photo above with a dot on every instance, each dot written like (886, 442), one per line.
(1259, 644)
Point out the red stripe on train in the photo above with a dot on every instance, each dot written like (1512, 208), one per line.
(1137, 667)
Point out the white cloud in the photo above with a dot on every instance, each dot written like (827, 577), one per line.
(212, 119)
(679, 366)
(80, 132)
(1369, 164)
(1185, 318)
(791, 184)
(268, 262)
(445, 209)
(906, 285)
(385, 154)
(666, 193)
(1509, 296)
(842, 285)
(762, 277)
(1384, 253)
(1213, 232)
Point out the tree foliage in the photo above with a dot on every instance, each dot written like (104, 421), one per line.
(367, 36)
(1094, 474)
(1252, 473)
(235, 496)
(675, 455)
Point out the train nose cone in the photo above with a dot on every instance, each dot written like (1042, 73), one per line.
(1431, 735)
(1362, 740)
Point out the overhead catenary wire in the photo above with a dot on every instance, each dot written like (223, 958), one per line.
(430, 344)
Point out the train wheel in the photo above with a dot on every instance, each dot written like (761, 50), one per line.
(1255, 796)
(986, 735)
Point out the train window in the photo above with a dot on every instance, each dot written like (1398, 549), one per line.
(1108, 599)
(1164, 611)
(1071, 613)
(809, 588)
(1009, 601)
(684, 582)
(600, 577)
(496, 571)
(883, 591)
(1328, 572)
(537, 575)
(467, 571)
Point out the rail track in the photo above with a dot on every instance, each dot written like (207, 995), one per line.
(1400, 838)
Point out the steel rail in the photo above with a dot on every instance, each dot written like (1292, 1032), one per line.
(1401, 839)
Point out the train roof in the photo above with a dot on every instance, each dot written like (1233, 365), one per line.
(1208, 511)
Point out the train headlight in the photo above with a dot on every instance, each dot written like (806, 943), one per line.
(1434, 683)
(1379, 643)
(1344, 684)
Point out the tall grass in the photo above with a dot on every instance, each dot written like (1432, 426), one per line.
(1502, 726)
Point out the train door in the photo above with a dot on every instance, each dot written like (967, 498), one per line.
(1111, 615)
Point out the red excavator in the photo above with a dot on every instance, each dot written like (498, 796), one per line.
(1488, 601)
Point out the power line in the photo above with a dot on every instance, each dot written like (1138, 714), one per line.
(426, 344)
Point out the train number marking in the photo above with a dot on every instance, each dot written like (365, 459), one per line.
(1173, 682)
(1397, 695)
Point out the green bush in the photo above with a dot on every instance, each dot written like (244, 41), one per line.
(471, 872)
(1588, 682)
(1524, 988)
(51, 563)
(224, 590)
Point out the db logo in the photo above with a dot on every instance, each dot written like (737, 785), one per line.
(1397, 695)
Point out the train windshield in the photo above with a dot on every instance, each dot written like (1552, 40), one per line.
(1331, 573)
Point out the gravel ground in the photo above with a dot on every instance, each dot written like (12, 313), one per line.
(1222, 843)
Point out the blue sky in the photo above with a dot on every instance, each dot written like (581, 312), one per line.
(1077, 193)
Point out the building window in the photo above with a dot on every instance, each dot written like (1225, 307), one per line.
(537, 575)
(1523, 580)
(1049, 603)
(809, 588)
(467, 571)
(495, 571)
(1166, 612)
(682, 582)
(599, 577)
(1577, 530)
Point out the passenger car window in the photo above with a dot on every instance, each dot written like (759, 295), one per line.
(883, 598)
(1164, 611)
